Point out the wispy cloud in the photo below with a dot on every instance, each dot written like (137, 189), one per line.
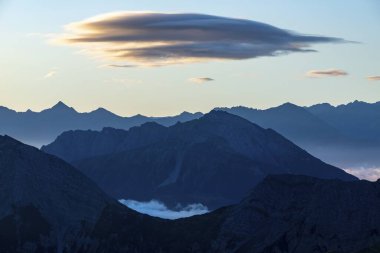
(200, 79)
(50, 74)
(326, 73)
(371, 174)
(158, 39)
(158, 209)
(374, 78)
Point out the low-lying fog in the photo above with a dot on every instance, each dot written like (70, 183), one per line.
(158, 209)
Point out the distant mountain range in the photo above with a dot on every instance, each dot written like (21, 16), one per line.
(48, 206)
(39, 128)
(214, 160)
(346, 135)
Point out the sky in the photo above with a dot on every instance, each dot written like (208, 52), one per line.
(162, 57)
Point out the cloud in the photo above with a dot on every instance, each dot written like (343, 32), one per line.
(326, 73)
(200, 79)
(159, 39)
(371, 174)
(158, 209)
(374, 78)
(121, 66)
(50, 74)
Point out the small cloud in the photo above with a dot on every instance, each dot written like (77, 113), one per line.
(121, 66)
(370, 174)
(50, 74)
(373, 78)
(326, 73)
(156, 208)
(200, 79)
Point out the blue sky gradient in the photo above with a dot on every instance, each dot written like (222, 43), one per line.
(36, 74)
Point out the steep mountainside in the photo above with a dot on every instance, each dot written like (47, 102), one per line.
(43, 199)
(213, 160)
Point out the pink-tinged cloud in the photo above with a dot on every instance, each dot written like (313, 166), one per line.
(326, 73)
(373, 78)
(370, 174)
(159, 39)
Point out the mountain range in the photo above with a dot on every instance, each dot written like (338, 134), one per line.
(39, 128)
(346, 136)
(48, 206)
(214, 160)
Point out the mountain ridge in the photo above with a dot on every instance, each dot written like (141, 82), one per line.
(345, 135)
(213, 160)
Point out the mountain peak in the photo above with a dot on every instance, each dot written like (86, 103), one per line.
(219, 113)
(60, 106)
(288, 105)
(102, 111)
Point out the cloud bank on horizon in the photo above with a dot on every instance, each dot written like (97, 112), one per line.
(156, 208)
(159, 39)
(370, 174)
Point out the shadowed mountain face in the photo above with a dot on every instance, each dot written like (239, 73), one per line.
(47, 206)
(44, 201)
(38, 128)
(214, 160)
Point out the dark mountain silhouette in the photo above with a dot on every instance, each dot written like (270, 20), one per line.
(38, 128)
(213, 160)
(48, 206)
(44, 201)
(284, 213)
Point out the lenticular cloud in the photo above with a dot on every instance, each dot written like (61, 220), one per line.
(158, 39)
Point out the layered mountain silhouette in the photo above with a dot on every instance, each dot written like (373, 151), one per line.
(48, 206)
(214, 160)
(346, 135)
(38, 128)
